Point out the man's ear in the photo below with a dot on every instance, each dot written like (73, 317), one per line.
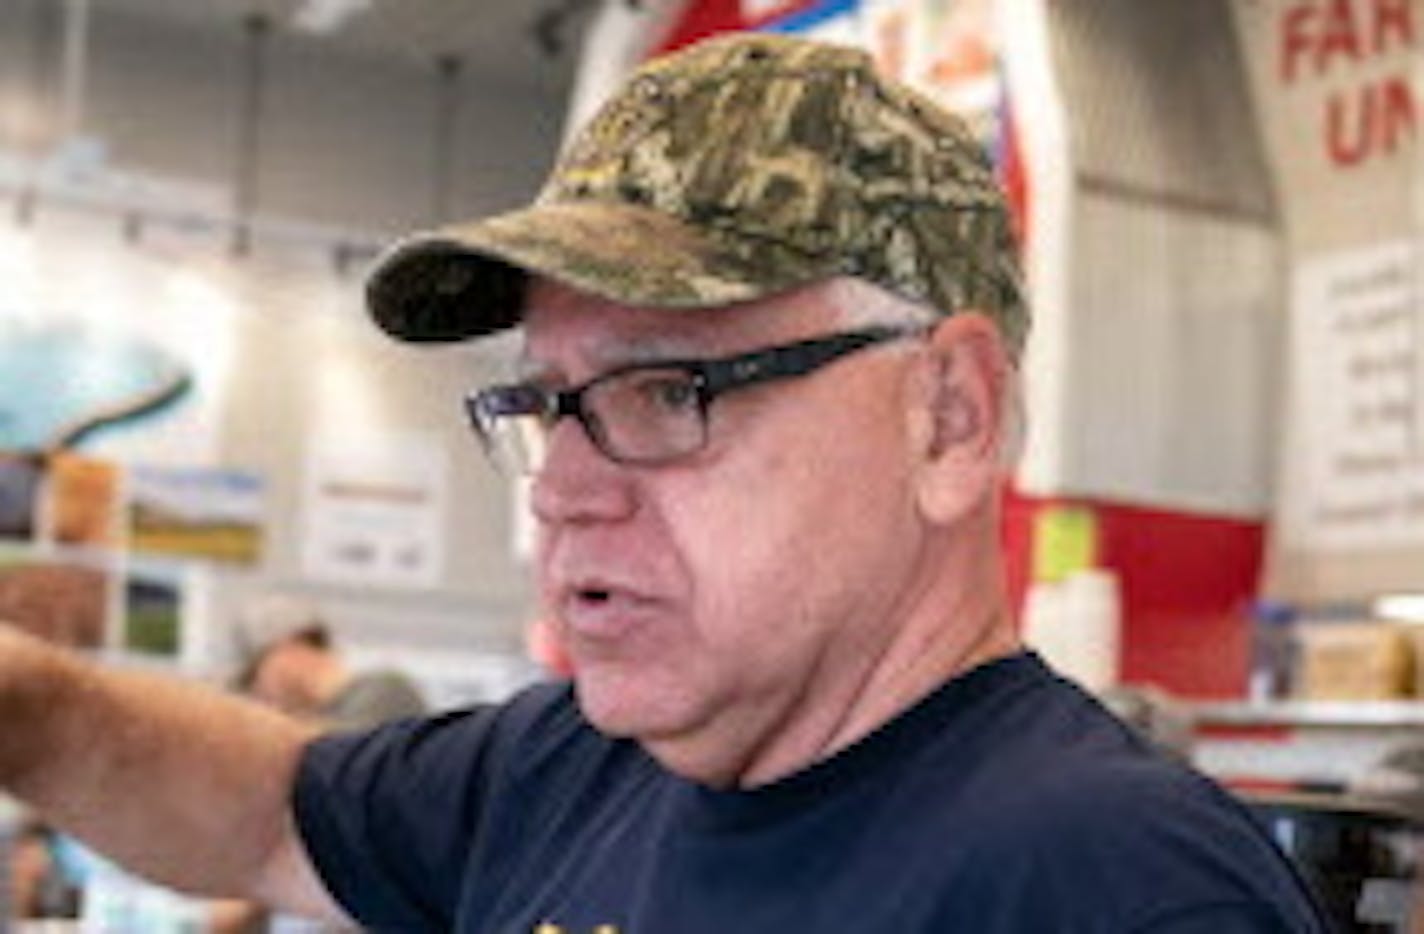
(958, 422)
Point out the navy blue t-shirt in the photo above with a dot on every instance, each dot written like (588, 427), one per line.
(1007, 801)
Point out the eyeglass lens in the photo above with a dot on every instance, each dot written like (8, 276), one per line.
(517, 443)
(646, 415)
(643, 415)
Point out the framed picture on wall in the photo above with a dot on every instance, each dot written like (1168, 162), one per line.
(196, 512)
(81, 503)
(152, 622)
(21, 476)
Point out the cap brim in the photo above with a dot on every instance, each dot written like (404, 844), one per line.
(469, 280)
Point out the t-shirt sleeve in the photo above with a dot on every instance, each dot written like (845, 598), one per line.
(391, 817)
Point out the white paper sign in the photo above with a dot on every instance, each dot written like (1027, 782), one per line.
(374, 511)
(1354, 480)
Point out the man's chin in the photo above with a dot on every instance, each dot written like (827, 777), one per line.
(620, 710)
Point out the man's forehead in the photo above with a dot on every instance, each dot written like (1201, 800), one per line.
(603, 334)
(561, 323)
(595, 349)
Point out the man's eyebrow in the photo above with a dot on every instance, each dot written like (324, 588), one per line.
(653, 349)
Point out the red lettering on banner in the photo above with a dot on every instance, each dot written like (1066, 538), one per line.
(1347, 140)
(1337, 38)
(1376, 119)
(1295, 41)
(1378, 115)
(1393, 18)
(1325, 33)
(1399, 117)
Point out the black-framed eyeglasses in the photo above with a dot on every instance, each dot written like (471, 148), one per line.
(647, 413)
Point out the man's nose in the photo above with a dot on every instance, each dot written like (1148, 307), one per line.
(577, 482)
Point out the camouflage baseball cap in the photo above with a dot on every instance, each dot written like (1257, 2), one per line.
(740, 167)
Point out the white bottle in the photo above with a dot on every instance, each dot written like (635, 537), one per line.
(1044, 628)
(1076, 625)
(1093, 605)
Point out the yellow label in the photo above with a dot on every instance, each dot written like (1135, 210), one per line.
(1065, 540)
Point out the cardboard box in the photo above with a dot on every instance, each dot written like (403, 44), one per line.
(1361, 660)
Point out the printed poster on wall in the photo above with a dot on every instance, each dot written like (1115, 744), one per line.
(1355, 474)
(374, 511)
(196, 512)
(951, 53)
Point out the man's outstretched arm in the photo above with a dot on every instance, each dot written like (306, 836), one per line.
(183, 784)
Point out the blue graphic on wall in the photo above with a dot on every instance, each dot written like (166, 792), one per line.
(61, 382)
(811, 15)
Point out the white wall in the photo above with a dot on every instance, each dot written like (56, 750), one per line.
(1155, 261)
(347, 145)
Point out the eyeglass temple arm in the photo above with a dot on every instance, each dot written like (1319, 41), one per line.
(790, 360)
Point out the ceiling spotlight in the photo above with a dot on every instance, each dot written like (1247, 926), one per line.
(323, 17)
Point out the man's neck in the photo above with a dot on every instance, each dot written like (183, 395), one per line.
(916, 668)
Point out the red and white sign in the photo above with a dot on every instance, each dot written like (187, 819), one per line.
(1338, 88)
(1356, 58)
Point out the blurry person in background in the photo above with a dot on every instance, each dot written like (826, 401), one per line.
(772, 323)
(39, 886)
(288, 660)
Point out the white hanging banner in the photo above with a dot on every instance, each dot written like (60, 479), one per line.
(1338, 86)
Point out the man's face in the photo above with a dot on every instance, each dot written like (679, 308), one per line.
(710, 602)
(284, 678)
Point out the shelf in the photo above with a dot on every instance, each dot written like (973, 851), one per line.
(1306, 713)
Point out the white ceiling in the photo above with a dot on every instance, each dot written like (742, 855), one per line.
(493, 38)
